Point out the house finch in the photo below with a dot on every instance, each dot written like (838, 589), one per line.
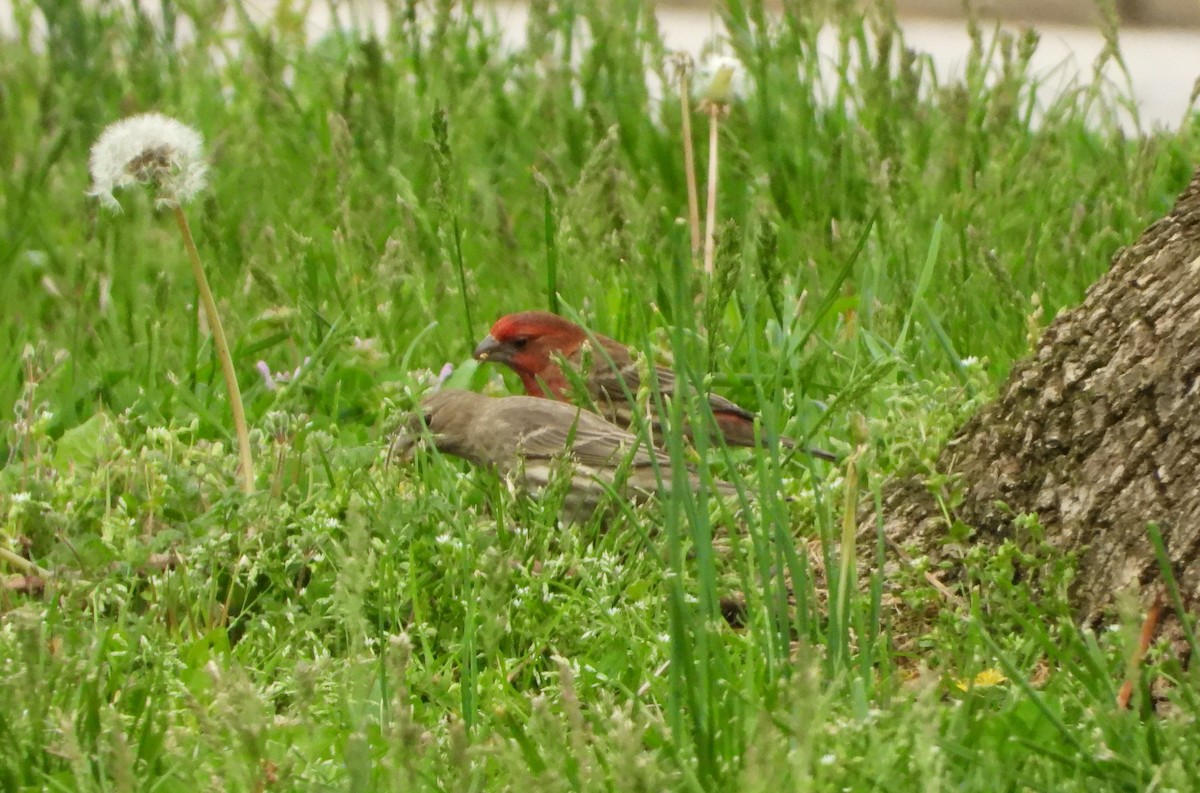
(531, 341)
(528, 439)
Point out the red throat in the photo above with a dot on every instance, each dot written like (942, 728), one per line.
(550, 377)
(538, 371)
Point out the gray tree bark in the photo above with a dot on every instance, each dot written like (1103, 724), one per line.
(1098, 433)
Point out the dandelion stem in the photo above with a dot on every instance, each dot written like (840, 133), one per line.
(710, 220)
(214, 324)
(689, 164)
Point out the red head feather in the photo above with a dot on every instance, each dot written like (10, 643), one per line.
(527, 342)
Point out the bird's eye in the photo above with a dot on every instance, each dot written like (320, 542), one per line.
(520, 343)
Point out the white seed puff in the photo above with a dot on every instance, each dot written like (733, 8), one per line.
(148, 149)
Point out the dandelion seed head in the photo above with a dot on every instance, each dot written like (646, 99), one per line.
(148, 149)
(720, 80)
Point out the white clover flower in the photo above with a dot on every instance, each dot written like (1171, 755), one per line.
(148, 149)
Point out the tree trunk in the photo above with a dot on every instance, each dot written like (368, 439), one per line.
(1098, 433)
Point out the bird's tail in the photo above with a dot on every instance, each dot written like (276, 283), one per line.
(820, 454)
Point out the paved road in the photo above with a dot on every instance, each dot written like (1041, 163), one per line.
(1164, 65)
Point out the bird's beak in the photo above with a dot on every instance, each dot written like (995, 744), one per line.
(490, 350)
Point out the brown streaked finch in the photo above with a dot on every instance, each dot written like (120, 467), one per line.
(532, 343)
(528, 439)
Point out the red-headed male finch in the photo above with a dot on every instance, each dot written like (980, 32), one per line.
(533, 342)
(528, 439)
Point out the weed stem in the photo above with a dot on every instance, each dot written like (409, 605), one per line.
(689, 163)
(21, 563)
(710, 220)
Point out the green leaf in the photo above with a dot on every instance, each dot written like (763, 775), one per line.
(88, 443)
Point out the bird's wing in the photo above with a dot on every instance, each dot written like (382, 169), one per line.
(607, 381)
(720, 404)
(559, 427)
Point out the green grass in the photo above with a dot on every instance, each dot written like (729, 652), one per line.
(377, 200)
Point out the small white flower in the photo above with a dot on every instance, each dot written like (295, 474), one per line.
(366, 350)
(148, 149)
(264, 370)
(274, 381)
